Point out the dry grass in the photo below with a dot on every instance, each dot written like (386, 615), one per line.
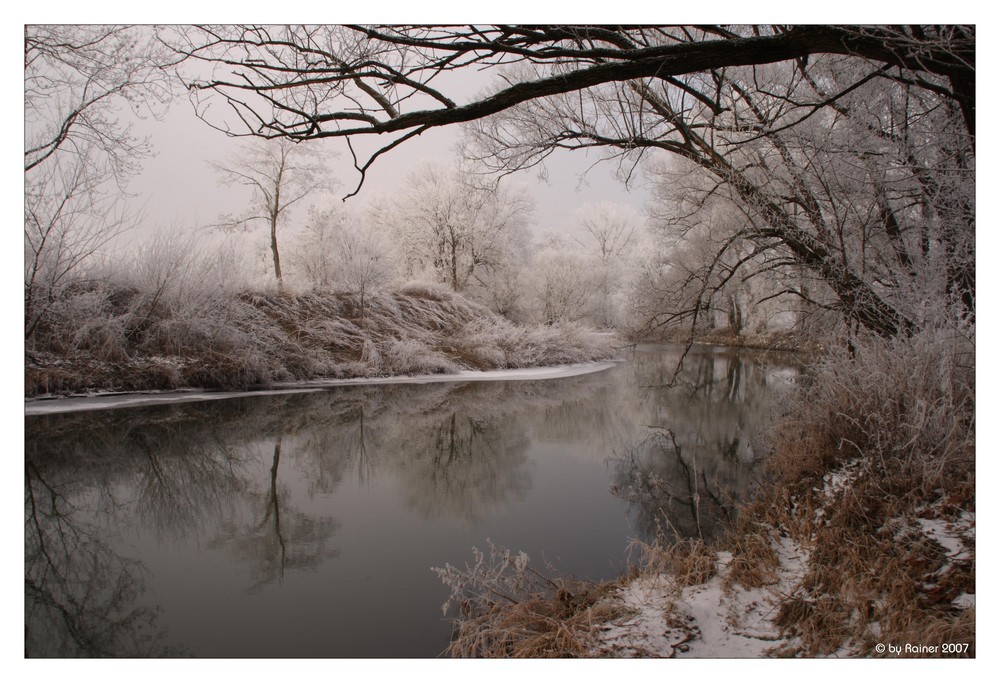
(543, 627)
(120, 338)
(507, 608)
(877, 470)
(689, 561)
(754, 561)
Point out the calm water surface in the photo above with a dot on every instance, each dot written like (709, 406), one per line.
(306, 525)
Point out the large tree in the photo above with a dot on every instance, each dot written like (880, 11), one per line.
(733, 102)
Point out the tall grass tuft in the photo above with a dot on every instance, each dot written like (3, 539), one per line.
(508, 608)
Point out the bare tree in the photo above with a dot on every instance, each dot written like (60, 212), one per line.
(313, 253)
(452, 228)
(279, 174)
(364, 261)
(76, 80)
(724, 98)
(266, 72)
(78, 158)
(609, 236)
(564, 282)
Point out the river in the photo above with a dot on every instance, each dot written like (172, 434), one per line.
(306, 524)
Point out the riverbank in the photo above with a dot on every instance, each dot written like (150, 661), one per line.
(99, 401)
(860, 543)
(113, 340)
(765, 341)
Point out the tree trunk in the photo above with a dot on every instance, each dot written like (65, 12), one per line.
(274, 247)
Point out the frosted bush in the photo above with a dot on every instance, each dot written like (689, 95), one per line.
(412, 357)
(371, 357)
(503, 575)
(910, 398)
(256, 337)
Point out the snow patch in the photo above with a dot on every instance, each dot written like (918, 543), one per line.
(709, 620)
(517, 374)
(129, 400)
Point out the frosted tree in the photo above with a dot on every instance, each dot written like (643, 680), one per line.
(335, 250)
(364, 261)
(279, 174)
(314, 249)
(451, 229)
(722, 97)
(565, 282)
(609, 233)
(707, 267)
(78, 157)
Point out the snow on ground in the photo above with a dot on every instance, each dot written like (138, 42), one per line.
(126, 400)
(949, 534)
(704, 621)
(553, 372)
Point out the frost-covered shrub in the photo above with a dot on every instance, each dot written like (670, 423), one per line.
(905, 399)
(87, 321)
(412, 357)
(516, 346)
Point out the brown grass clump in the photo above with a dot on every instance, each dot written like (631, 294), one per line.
(754, 563)
(540, 627)
(509, 609)
(689, 561)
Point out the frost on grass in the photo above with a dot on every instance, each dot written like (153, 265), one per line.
(501, 576)
(111, 338)
(507, 608)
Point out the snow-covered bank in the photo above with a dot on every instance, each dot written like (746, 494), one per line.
(661, 617)
(130, 400)
(510, 375)
(860, 542)
(707, 620)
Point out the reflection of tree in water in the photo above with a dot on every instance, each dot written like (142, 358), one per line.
(462, 465)
(678, 494)
(170, 469)
(459, 448)
(686, 476)
(241, 472)
(79, 595)
(344, 441)
(283, 539)
(593, 413)
(88, 476)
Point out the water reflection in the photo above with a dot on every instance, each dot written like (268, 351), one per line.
(694, 464)
(284, 538)
(197, 528)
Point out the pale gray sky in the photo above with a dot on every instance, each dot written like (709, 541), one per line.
(179, 188)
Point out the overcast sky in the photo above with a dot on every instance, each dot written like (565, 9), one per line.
(179, 188)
